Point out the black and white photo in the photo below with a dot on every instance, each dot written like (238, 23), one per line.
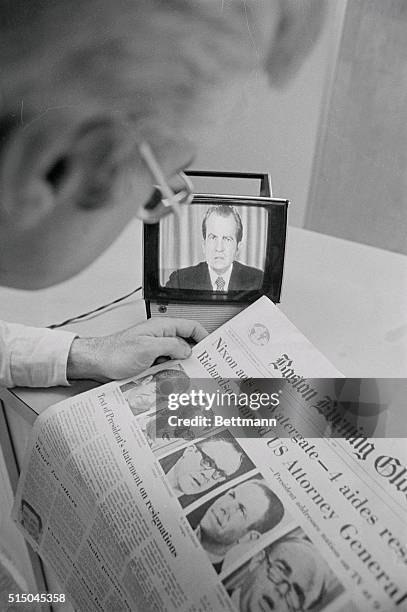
(195, 191)
(204, 466)
(240, 515)
(288, 575)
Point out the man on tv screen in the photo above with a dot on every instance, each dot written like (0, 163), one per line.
(222, 232)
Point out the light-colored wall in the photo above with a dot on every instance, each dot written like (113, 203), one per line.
(275, 130)
(359, 187)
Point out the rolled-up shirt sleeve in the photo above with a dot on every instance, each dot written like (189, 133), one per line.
(33, 356)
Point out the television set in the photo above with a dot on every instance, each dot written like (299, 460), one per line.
(217, 255)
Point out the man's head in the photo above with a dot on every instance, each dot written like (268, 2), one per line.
(222, 232)
(85, 83)
(203, 465)
(249, 509)
(290, 576)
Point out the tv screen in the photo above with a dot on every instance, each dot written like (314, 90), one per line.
(213, 247)
(218, 249)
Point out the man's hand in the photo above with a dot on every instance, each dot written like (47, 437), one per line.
(132, 350)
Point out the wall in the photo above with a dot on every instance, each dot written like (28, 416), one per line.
(275, 131)
(360, 178)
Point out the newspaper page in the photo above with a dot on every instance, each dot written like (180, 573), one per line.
(136, 506)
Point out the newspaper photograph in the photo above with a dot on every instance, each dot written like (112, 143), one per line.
(287, 574)
(134, 509)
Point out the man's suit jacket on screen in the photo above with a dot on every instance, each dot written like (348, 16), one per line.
(198, 278)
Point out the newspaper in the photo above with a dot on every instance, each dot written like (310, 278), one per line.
(133, 511)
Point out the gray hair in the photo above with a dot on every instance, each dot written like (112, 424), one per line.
(157, 59)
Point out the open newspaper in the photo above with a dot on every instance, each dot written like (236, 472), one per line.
(136, 506)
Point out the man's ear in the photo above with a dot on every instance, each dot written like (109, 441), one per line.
(50, 161)
(27, 198)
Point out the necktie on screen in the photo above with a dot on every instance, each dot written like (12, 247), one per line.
(220, 284)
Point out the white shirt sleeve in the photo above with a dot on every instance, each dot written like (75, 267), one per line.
(32, 356)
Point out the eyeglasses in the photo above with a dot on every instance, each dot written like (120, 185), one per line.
(207, 463)
(294, 598)
(164, 199)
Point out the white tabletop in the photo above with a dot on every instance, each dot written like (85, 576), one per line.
(349, 299)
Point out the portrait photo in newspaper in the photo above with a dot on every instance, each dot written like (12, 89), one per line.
(287, 575)
(204, 466)
(162, 436)
(150, 392)
(236, 519)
